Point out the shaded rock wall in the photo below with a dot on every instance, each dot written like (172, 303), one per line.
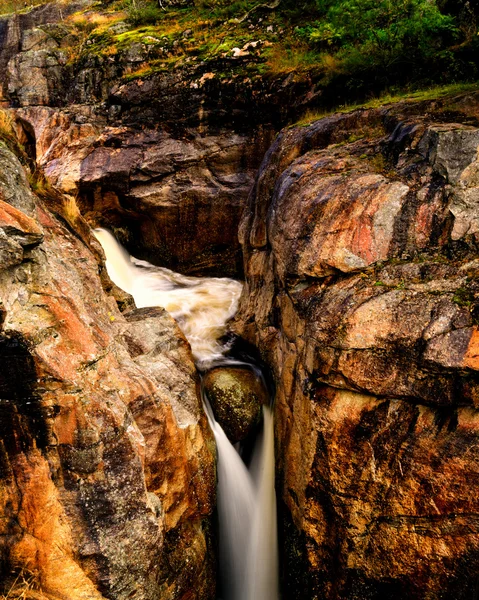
(107, 469)
(360, 245)
(176, 201)
(12, 31)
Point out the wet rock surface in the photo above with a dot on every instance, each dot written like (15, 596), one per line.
(236, 396)
(173, 199)
(360, 259)
(107, 464)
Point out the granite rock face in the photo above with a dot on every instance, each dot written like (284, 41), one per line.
(360, 246)
(107, 464)
(21, 33)
(175, 201)
(173, 198)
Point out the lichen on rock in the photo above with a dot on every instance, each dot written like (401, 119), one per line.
(105, 451)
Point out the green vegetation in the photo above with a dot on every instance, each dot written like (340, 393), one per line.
(16, 6)
(377, 36)
(399, 95)
(142, 12)
(464, 297)
(352, 51)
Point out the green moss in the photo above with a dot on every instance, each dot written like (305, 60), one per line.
(463, 297)
(219, 26)
(98, 43)
(158, 66)
(135, 36)
(9, 7)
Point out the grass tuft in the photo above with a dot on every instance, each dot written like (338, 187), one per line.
(8, 136)
(9, 7)
(23, 586)
(407, 95)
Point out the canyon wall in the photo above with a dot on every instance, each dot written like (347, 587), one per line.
(360, 245)
(360, 241)
(107, 464)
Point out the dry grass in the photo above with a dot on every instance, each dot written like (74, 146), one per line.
(288, 60)
(8, 7)
(72, 216)
(7, 125)
(90, 21)
(62, 205)
(23, 586)
(330, 64)
(8, 135)
(44, 190)
(430, 93)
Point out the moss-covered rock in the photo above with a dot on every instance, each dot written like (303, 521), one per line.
(236, 396)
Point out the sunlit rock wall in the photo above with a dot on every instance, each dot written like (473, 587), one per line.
(360, 246)
(107, 470)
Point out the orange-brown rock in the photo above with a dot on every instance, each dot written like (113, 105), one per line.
(167, 159)
(106, 459)
(362, 294)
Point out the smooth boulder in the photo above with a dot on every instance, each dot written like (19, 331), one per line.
(236, 396)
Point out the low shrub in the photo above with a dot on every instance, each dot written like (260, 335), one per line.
(143, 12)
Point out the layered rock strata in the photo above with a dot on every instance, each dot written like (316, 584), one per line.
(107, 469)
(173, 199)
(360, 246)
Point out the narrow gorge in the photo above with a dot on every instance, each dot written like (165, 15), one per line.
(239, 338)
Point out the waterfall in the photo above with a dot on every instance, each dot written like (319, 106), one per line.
(262, 571)
(236, 509)
(246, 497)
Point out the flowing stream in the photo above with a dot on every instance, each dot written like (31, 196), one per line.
(246, 496)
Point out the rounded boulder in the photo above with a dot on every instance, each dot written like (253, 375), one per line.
(236, 396)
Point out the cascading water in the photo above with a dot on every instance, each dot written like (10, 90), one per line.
(246, 497)
(262, 571)
(202, 306)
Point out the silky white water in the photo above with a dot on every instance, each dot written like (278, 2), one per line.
(248, 552)
(236, 508)
(262, 567)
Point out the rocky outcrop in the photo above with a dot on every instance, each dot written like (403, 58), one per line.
(176, 201)
(21, 32)
(107, 470)
(361, 293)
(166, 159)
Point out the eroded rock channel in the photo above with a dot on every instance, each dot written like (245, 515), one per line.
(357, 237)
